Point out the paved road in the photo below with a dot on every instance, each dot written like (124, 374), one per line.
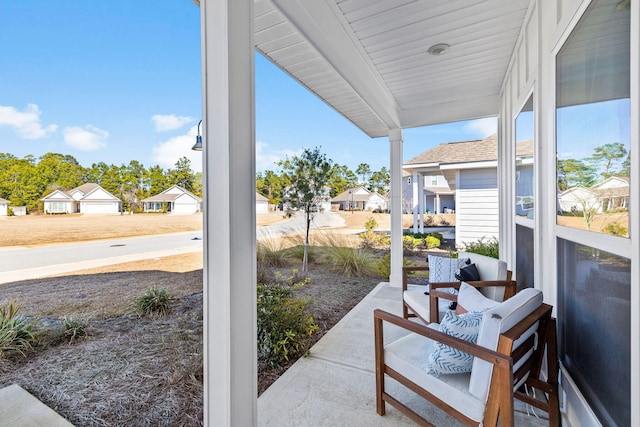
(297, 225)
(21, 263)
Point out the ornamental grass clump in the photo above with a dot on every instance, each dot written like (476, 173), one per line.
(284, 325)
(156, 301)
(16, 332)
(75, 328)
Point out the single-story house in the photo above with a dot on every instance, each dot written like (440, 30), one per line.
(88, 198)
(360, 199)
(175, 200)
(4, 205)
(579, 199)
(262, 204)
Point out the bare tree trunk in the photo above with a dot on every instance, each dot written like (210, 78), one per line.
(305, 258)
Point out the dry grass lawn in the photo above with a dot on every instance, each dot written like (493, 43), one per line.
(130, 370)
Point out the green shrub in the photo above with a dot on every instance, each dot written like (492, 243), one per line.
(432, 242)
(489, 248)
(16, 332)
(154, 301)
(616, 229)
(284, 326)
(75, 328)
(384, 265)
(10, 212)
(409, 243)
(371, 224)
(437, 235)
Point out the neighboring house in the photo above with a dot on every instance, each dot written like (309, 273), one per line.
(359, 198)
(466, 183)
(579, 199)
(262, 204)
(439, 197)
(613, 192)
(175, 200)
(88, 198)
(4, 206)
(610, 194)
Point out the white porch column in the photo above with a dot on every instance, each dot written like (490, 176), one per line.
(420, 203)
(415, 200)
(230, 371)
(395, 142)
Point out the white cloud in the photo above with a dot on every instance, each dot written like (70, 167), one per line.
(89, 138)
(266, 159)
(165, 122)
(26, 123)
(483, 127)
(168, 152)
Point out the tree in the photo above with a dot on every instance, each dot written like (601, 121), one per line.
(182, 175)
(607, 156)
(575, 173)
(308, 176)
(156, 179)
(341, 179)
(270, 185)
(380, 180)
(364, 170)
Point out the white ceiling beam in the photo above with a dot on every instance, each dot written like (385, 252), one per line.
(322, 23)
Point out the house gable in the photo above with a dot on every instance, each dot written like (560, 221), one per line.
(101, 194)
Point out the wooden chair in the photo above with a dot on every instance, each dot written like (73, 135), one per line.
(514, 337)
(495, 283)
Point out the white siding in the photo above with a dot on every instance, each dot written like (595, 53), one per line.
(476, 205)
(3, 209)
(185, 204)
(99, 207)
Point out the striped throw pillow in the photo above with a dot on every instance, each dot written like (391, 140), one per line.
(448, 360)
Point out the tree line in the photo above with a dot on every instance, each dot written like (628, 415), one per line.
(611, 159)
(24, 181)
(273, 183)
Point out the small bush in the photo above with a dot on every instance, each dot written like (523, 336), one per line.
(284, 326)
(75, 328)
(384, 265)
(16, 332)
(437, 235)
(489, 248)
(428, 221)
(154, 301)
(432, 242)
(409, 243)
(10, 212)
(616, 229)
(371, 224)
(444, 222)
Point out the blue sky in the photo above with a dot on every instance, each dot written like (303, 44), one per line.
(119, 80)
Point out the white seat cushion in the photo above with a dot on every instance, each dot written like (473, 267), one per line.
(419, 302)
(408, 356)
(495, 321)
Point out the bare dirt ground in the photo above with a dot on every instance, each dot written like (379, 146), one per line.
(135, 370)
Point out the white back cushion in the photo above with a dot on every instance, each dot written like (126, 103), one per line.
(489, 269)
(495, 321)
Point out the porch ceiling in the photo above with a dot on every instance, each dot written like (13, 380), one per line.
(368, 59)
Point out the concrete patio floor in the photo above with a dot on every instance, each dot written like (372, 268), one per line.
(335, 385)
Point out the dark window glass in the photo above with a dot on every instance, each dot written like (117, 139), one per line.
(595, 327)
(524, 257)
